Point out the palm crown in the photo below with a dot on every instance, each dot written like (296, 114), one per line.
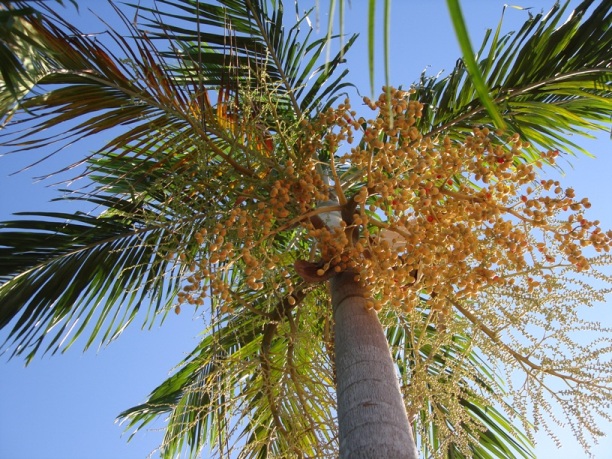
(212, 192)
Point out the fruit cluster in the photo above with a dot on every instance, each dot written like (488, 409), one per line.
(423, 216)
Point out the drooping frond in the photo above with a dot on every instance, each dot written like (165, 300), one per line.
(67, 275)
(262, 382)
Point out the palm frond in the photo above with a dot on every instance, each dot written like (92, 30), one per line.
(547, 79)
(261, 380)
(471, 66)
(235, 43)
(100, 90)
(66, 275)
(242, 370)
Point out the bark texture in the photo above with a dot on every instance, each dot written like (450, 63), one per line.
(372, 418)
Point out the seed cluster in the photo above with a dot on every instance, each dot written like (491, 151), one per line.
(241, 243)
(424, 216)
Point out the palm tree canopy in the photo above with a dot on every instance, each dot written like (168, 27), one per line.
(210, 193)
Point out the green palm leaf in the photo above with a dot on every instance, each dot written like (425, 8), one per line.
(475, 75)
(235, 43)
(547, 79)
(67, 275)
(249, 368)
(240, 371)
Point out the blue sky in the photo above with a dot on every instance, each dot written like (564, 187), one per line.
(63, 407)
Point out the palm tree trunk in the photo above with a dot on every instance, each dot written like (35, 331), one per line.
(372, 417)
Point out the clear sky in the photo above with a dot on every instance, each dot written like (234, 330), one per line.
(63, 407)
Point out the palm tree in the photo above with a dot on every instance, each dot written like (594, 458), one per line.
(242, 208)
